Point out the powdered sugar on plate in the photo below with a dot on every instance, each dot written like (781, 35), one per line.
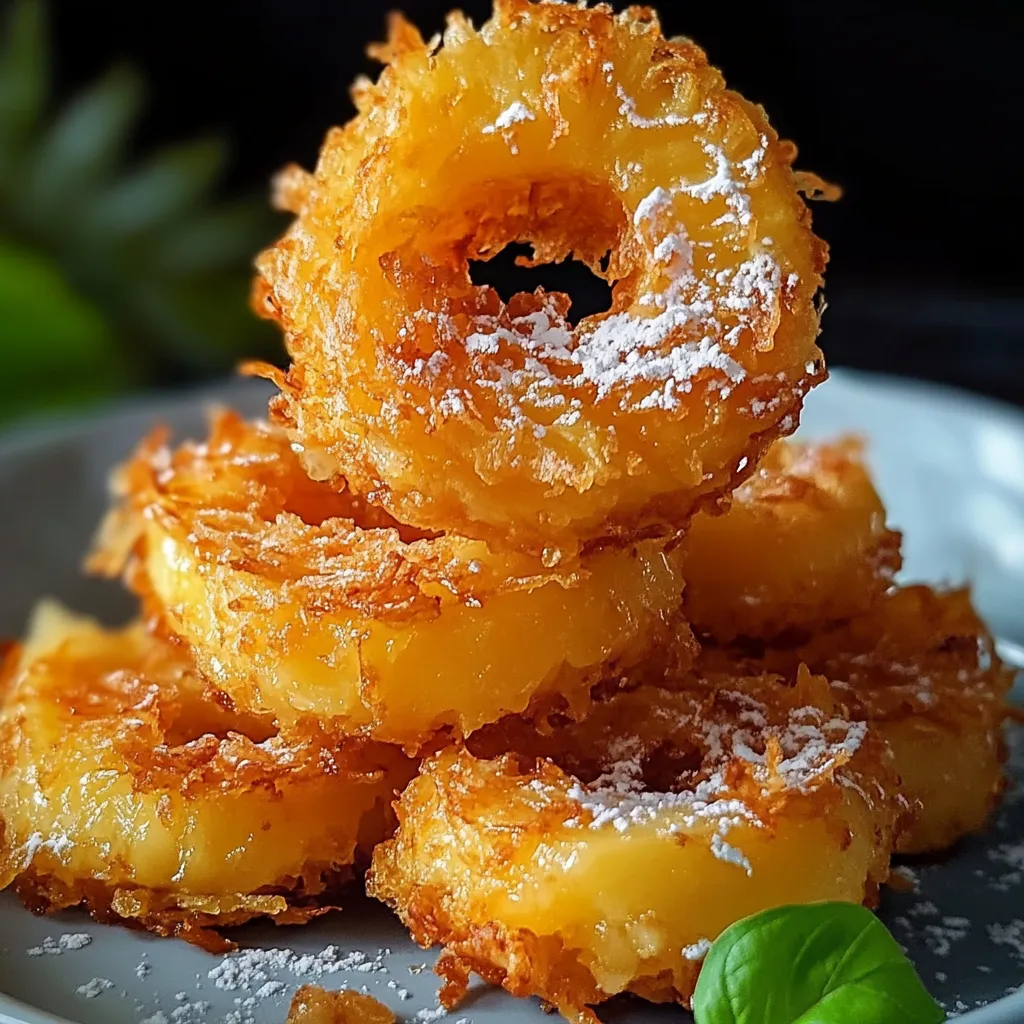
(67, 943)
(251, 968)
(1010, 935)
(94, 988)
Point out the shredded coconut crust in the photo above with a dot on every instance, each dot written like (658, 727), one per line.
(920, 667)
(292, 596)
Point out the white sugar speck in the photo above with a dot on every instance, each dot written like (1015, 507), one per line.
(515, 113)
(429, 1015)
(56, 844)
(730, 854)
(698, 950)
(91, 989)
(270, 988)
(909, 875)
(189, 1012)
(1010, 935)
(939, 938)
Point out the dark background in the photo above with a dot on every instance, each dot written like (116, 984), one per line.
(915, 109)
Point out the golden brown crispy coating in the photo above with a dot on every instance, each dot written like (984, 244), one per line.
(313, 1005)
(921, 668)
(298, 600)
(585, 133)
(124, 790)
(602, 857)
(804, 544)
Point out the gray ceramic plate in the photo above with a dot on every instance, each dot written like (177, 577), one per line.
(951, 468)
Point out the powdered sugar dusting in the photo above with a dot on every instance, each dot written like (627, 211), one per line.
(683, 330)
(514, 114)
(1009, 856)
(809, 749)
(941, 936)
(430, 1014)
(627, 109)
(730, 854)
(56, 844)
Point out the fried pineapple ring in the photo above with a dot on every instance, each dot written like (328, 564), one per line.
(122, 789)
(636, 836)
(298, 600)
(804, 544)
(803, 548)
(922, 669)
(585, 133)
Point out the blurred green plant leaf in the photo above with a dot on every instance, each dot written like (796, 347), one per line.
(38, 396)
(220, 304)
(161, 191)
(115, 277)
(211, 239)
(24, 72)
(44, 325)
(84, 144)
(57, 347)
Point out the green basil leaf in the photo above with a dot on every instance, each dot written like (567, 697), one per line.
(821, 963)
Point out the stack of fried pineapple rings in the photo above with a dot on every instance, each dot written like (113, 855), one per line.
(540, 628)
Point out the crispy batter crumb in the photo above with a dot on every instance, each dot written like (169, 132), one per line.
(314, 1005)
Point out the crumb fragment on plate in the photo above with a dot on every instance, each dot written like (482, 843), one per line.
(314, 1005)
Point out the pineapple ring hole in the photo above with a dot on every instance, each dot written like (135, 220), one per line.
(556, 242)
(665, 766)
(510, 272)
